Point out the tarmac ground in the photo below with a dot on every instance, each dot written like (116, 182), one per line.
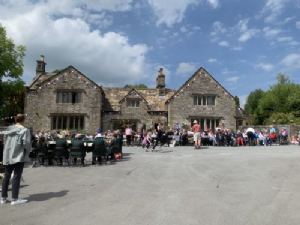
(173, 186)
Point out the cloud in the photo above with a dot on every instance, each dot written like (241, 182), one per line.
(298, 24)
(212, 60)
(233, 79)
(246, 33)
(273, 9)
(271, 32)
(237, 48)
(106, 57)
(185, 68)
(227, 71)
(224, 43)
(291, 61)
(214, 3)
(240, 30)
(170, 12)
(218, 28)
(265, 66)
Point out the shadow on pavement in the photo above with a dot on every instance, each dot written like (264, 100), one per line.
(46, 196)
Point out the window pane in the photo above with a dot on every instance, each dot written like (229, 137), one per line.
(209, 100)
(81, 122)
(202, 123)
(78, 97)
(76, 122)
(53, 122)
(64, 122)
(59, 122)
(208, 123)
(195, 100)
(71, 122)
(204, 100)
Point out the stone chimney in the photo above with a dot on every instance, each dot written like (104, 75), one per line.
(160, 79)
(41, 65)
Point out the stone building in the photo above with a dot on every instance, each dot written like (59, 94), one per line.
(68, 99)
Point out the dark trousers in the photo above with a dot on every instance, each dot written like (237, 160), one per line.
(128, 139)
(18, 170)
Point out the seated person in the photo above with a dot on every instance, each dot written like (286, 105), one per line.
(273, 137)
(239, 139)
(99, 151)
(261, 139)
(77, 149)
(61, 148)
(294, 140)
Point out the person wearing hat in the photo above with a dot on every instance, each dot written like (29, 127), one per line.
(17, 145)
(196, 130)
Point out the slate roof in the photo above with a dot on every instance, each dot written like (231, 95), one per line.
(113, 96)
(41, 78)
(46, 77)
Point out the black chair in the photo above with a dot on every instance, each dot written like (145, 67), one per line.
(99, 151)
(60, 155)
(77, 151)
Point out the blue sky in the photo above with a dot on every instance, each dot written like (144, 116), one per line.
(243, 44)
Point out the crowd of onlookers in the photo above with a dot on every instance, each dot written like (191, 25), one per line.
(68, 146)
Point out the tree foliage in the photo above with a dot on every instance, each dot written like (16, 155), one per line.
(237, 101)
(11, 69)
(280, 104)
(137, 86)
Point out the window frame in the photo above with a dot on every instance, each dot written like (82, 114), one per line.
(204, 99)
(67, 121)
(68, 96)
(133, 103)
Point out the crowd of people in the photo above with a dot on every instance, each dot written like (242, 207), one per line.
(60, 147)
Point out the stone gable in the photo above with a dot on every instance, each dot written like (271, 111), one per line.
(181, 105)
(41, 100)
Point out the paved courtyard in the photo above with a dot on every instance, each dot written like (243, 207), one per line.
(176, 186)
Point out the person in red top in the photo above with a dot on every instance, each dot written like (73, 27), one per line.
(196, 130)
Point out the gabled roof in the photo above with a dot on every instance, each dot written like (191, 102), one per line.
(49, 76)
(201, 69)
(40, 78)
(133, 90)
(113, 96)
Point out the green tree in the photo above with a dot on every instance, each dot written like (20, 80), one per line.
(251, 106)
(11, 69)
(237, 101)
(279, 104)
(283, 79)
(137, 86)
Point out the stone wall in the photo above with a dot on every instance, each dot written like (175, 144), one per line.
(41, 103)
(182, 109)
(130, 113)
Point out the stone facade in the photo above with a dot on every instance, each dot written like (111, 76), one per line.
(112, 108)
(41, 100)
(181, 107)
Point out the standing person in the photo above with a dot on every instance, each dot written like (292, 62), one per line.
(17, 145)
(196, 130)
(159, 136)
(128, 133)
